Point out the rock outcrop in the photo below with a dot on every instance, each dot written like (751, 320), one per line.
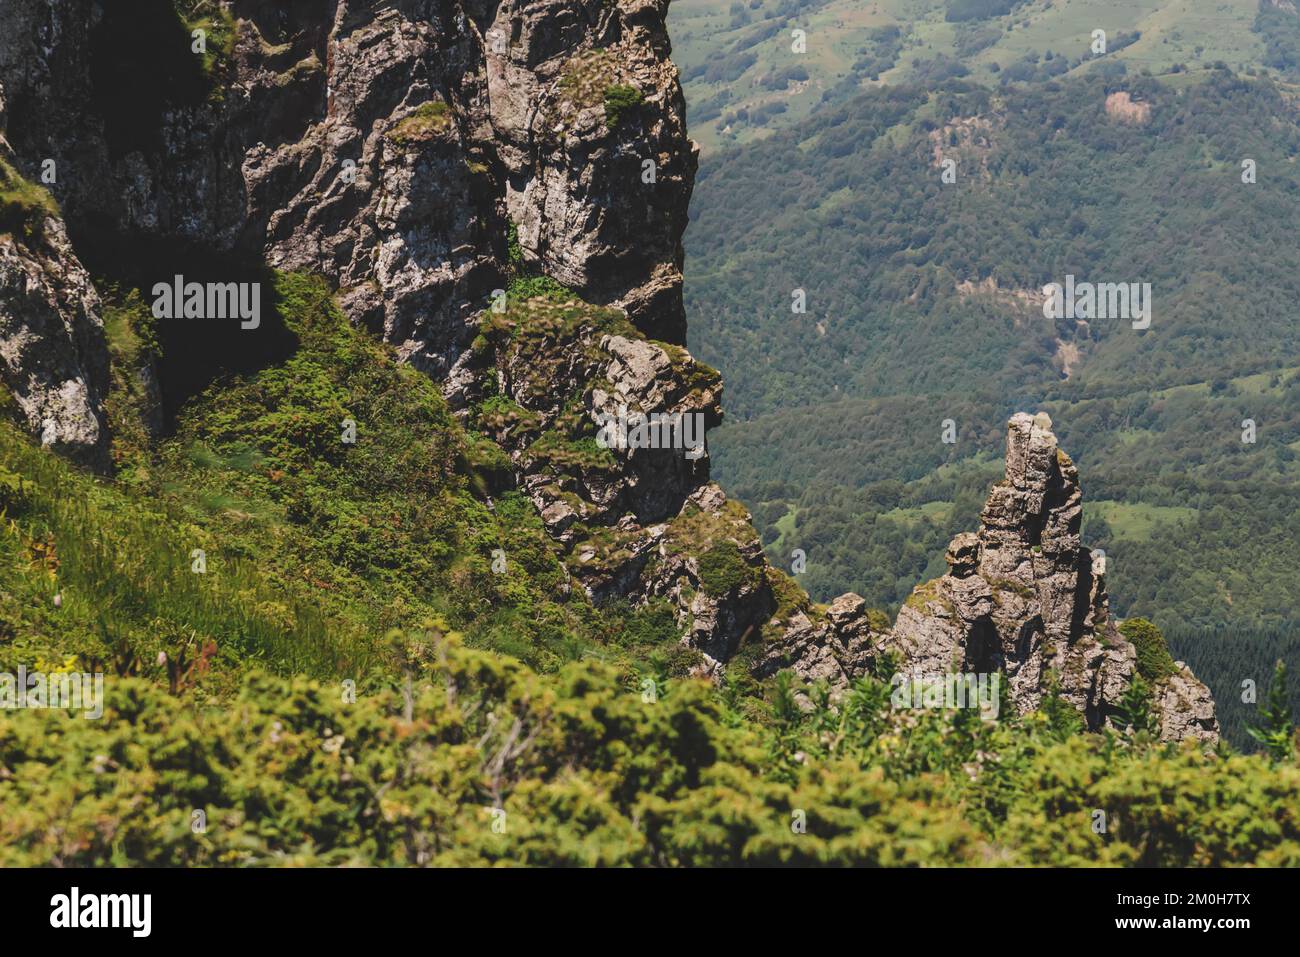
(53, 360)
(838, 649)
(1021, 597)
(639, 519)
(389, 146)
(421, 155)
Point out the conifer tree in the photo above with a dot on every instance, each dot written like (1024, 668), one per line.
(1276, 728)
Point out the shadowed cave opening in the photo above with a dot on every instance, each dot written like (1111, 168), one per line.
(194, 352)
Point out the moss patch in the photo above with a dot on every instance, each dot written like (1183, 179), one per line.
(724, 570)
(1153, 659)
(566, 455)
(925, 593)
(428, 120)
(586, 77)
(219, 30)
(1006, 584)
(24, 206)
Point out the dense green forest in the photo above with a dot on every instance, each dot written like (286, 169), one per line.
(923, 304)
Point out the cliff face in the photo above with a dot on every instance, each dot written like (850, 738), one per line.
(52, 353)
(386, 145)
(52, 350)
(418, 154)
(421, 154)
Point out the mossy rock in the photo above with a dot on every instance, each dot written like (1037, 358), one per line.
(879, 620)
(586, 77)
(428, 121)
(723, 570)
(925, 593)
(24, 206)
(694, 530)
(1017, 588)
(565, 454)
(500, 414)
(1153, 659)
(220, 33)
(789, 594)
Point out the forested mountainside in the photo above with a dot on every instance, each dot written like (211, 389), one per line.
(924, 305)
(363, 578)
(748, 74)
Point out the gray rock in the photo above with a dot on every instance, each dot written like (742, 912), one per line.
(1185, 709)
(835, 650)
(53, 358)
(1024, 598)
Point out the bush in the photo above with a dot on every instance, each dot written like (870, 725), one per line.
(619, 99)
(1153, 659)
(474, 759)
(723, 570)
(24, 206)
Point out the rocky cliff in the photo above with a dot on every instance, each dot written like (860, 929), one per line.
(54, 360)
(388, 145)
(499, 191)
(421, 155)
(1021, 597)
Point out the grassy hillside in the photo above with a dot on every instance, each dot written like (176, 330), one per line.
(313, 547)
(744, 81)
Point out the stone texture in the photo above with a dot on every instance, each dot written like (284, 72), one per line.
(837, 649)
(314, 156)
(1185, 709)
(53, 359)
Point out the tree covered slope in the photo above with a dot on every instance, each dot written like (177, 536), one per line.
(924, 304)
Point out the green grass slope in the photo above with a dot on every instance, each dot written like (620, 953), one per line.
(745, 81)
(313, 547)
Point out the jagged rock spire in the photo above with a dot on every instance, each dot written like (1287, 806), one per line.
(1022, 596)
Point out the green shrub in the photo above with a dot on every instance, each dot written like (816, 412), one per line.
(1153, 659)
(427, 121)
(619, 99)
(1276, 731)
(524, 288)
(588, 770)
(219, 26)
(723, 570)
(24, 206)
